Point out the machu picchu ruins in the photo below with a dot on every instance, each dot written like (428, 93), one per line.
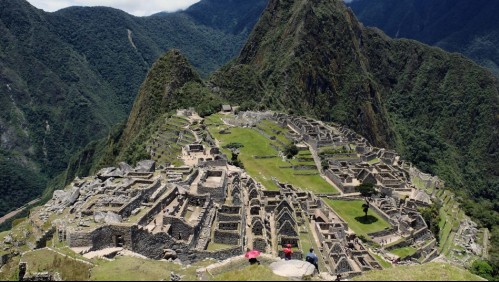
(189, 202)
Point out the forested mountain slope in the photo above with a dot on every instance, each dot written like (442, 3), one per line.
(468, 27)
(68, 77)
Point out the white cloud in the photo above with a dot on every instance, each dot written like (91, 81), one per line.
(134, 7)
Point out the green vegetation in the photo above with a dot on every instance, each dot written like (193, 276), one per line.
(431, 216)
(217, 246)
(233, 145)
(428, 271)
(18, 184)
(71, 76)
(374, 161)
(482, 268)
(351, 212)
(273, 129)
(366, 190)
(262, 170)
(250, 273)
(290, 151)
(475, 36)
(324, 151)
(46, 260)
(403, 252)
(10, 271)
(437, 110)
(381, 261)
(137, 269)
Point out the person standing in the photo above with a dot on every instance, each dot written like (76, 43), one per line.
(313, 259)
(287, 252)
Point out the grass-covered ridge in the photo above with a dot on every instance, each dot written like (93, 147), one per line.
(425, 272)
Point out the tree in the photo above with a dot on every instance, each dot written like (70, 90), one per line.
(366, 190)
(431, 216)
(291, 150)
(365, 208)
(234, 160)
(325, 164)
(482, 268)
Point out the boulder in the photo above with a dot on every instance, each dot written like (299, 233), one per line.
(169, 254)
(124, 167)
(109, 172)
(146, 166)
(7, 239)
(99, 216)
(59, 195)
(73, 196)
(136, 211)
(112, 218)
(295, 269)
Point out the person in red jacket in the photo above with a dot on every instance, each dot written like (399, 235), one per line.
(287, 252)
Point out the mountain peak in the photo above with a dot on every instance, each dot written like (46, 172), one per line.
(169, 73)
(307, 54)
(314, 58)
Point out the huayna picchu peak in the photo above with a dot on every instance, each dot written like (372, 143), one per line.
(324, 150)
(437, 109)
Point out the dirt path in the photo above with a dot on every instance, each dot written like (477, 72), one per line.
(14, 213)
(485, 252)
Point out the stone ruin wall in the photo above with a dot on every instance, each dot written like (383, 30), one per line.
(152, 246)
(188, 181)
(99, 238)
(179, 229)
(227, 237)
(135, 202)
(158, 207)
(218, 192)
(127, 209)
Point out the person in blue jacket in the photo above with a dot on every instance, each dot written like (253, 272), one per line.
(313, 259)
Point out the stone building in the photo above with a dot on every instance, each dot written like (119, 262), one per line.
(213, 182)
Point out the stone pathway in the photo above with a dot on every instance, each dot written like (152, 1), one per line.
(485, 252)
(102, 253)
(387, 239)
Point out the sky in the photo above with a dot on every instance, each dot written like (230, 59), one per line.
(134, 7)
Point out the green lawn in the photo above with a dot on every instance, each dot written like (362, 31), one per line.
(428, 271)
(137, 269)
(268, 126)
(404, 252)
(216, 246)
(46, 260)
(351, 211)
(374, 161)
(380, 260)
(262, 170)
(250, 273)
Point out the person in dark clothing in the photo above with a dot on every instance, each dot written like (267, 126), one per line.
(313, 259)
(253, 261)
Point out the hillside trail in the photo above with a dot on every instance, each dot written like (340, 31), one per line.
(14, 213)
